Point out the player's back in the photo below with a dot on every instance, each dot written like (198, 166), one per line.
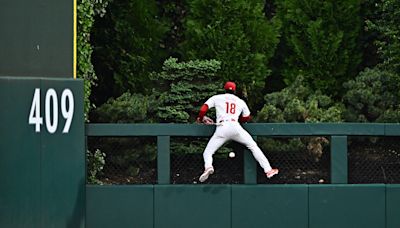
(228, 107)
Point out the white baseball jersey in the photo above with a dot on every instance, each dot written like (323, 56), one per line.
(228, 107)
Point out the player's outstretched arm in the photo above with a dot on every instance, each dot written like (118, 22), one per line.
(202, 113)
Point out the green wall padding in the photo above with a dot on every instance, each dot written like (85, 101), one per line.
(63, 162)
(42, 174)
(347, 206)
(393, 206)
(247, 206)
(20, 202)
(276, 206)
(119, 206)
(194, 206)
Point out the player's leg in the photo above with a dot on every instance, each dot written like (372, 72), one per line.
(245, 138)
(213, 145)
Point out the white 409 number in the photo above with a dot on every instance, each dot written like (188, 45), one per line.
(51, 118)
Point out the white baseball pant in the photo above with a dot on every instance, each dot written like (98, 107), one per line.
(233, 131)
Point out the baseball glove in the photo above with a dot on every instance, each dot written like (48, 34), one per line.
(207, 120)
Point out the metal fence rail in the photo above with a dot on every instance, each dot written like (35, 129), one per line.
(338, 134)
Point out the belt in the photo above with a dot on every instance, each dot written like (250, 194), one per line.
(231, 120)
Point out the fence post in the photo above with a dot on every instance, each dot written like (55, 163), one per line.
(163, 159)
(339, 169)
(250, 167)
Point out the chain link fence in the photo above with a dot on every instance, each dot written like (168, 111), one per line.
(374, 160)
(128, 160)
(304, 160)
(187, 162)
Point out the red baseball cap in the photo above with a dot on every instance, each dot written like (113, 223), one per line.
(230, 86)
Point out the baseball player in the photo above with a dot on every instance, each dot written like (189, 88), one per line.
(230, 112)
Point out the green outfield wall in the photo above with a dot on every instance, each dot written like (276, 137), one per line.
(42, 159)
(246, 205)
(36, 38)
(42, 173)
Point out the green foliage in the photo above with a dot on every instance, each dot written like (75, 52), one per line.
(129, 154)
(95, 162)
(282, 145)
(128, 108)
(99, 6)
(298, 103)
(184, 87)
(373, 97)
(86, 11)
(129, 42)
(320, 40)
(84, 65)
(236, 33)
(191, 145)
(386, 23)
(174, 11)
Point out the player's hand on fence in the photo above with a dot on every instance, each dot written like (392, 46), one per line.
(207, 120)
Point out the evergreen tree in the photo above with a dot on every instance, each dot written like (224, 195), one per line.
(373, 96)
(321, 41)
(128, 46)
(386, 23)
(299, 103)
(237, 33)
(129, 155)
(184, 86)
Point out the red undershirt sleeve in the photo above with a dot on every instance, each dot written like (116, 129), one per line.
(203, 111)
(243, 119)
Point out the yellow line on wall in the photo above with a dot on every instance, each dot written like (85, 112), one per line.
(75, 40)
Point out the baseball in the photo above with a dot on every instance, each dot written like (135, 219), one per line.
(231, 154)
